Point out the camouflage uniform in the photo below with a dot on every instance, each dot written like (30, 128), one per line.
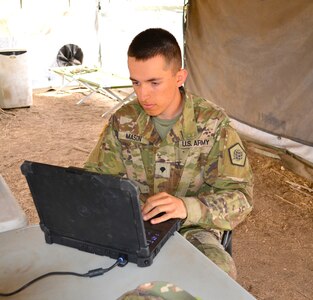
(157, 290)
(202, 161)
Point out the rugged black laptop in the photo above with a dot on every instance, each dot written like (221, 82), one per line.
(94, 213)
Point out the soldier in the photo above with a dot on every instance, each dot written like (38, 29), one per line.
(180, 149)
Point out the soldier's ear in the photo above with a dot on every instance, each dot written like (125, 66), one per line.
(181, 77)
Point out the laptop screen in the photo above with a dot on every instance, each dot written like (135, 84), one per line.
(100, 209)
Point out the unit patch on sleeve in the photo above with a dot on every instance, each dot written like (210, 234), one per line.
(237, 155)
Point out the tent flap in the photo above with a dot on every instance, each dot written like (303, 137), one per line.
(255, 59)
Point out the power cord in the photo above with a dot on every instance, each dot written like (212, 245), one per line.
(121, 262)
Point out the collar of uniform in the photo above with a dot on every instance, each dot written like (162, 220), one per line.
(145, 126)
(189, 123)
(189, 128)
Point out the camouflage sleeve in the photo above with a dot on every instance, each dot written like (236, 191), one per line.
(106, 157)
(225, 199)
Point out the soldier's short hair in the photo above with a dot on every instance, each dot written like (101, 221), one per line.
(156, 41)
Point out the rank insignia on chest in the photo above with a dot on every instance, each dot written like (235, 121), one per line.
(237, 155)
(162, 170)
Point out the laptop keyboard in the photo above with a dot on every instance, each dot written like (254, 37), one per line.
(152, 236)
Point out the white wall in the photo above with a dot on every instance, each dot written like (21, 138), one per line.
(42, 27)
(121, 20)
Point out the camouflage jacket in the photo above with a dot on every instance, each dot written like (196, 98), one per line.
(202, 161)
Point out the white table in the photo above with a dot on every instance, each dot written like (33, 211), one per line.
(24, 255)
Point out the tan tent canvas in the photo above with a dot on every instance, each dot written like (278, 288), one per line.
(254, 58)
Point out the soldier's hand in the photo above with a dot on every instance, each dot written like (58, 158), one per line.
(170, 206)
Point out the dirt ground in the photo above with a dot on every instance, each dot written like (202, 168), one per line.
(273, 248)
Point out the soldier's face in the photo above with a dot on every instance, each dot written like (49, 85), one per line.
(157, 86)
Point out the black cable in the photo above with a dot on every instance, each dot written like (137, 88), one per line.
(121, 261)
